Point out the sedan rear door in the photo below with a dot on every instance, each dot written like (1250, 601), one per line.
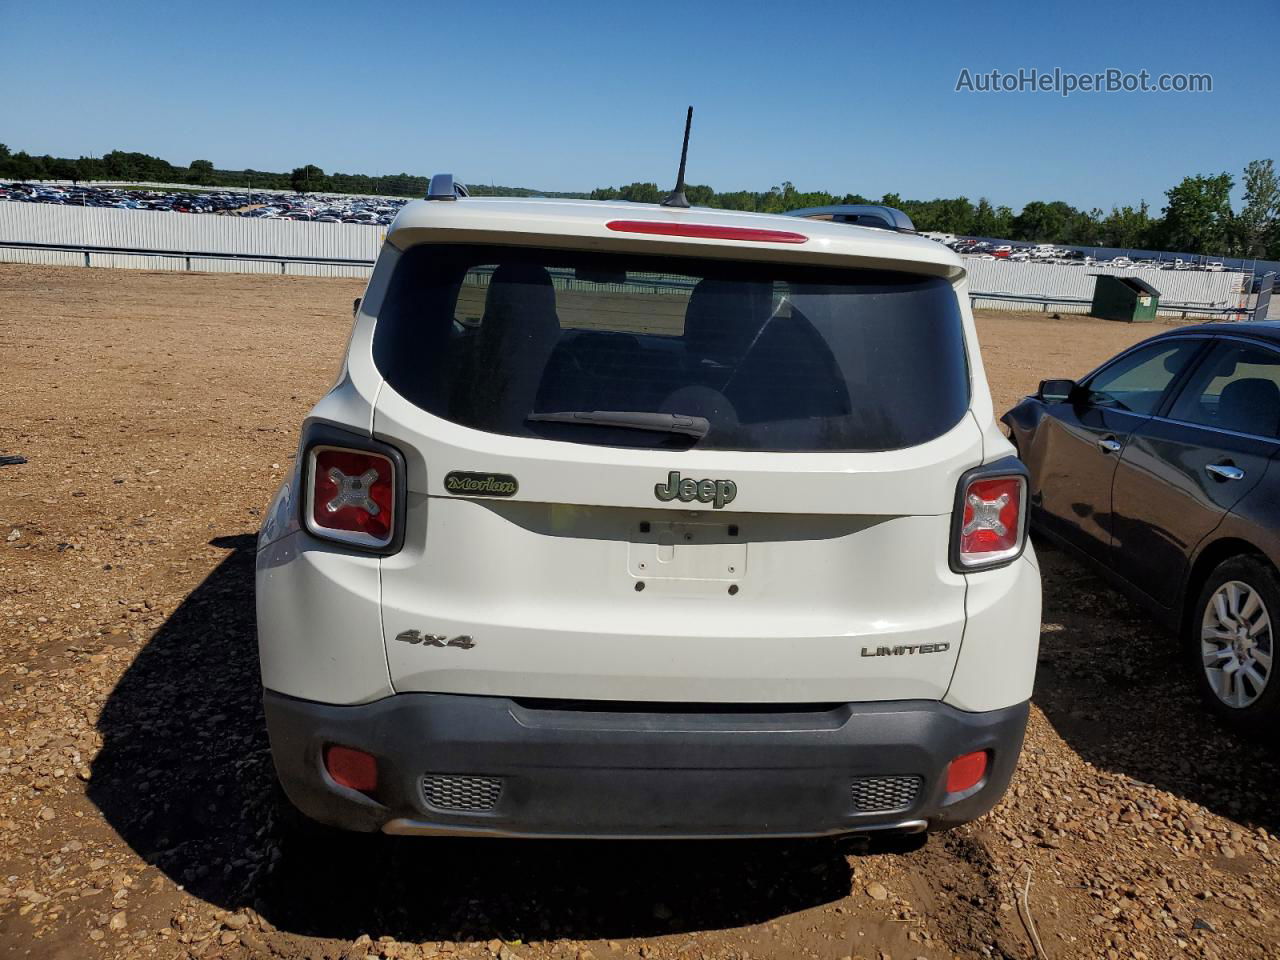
(1181, 472)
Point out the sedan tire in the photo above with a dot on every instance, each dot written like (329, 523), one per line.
(1231, 641)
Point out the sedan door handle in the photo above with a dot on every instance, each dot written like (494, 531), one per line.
(1109, 445)
(1225, 471)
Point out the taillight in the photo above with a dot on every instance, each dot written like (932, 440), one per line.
(351, 496)
(990, 521)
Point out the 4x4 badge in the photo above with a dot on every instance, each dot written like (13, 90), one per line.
(715, 492)
(463, 642)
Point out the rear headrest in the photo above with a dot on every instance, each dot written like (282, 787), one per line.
(1250, 406)
(1175, 359)
(526, 287)
(519, 331)
(724, 317)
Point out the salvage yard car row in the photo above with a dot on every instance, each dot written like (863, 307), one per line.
(318, 208)
(88, 196)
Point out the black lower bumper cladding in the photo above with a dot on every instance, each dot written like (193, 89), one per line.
(493, 766)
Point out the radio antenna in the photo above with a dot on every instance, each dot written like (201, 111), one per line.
(676, 197)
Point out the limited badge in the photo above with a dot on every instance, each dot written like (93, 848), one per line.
(462, 484)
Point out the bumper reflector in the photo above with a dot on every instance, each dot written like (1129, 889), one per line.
(352, 768)
(966, 771)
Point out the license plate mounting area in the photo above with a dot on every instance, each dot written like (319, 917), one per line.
(687, 552)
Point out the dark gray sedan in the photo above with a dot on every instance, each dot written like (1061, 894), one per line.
(1159, 468)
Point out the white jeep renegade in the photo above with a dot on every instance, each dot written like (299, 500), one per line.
(638, 521)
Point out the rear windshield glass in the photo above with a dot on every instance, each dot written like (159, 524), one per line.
(625, 350)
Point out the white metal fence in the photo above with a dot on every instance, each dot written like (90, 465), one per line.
(249, 245)
(1211, 291)
(239, 239)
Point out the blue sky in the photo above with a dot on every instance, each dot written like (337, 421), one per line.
(847, 97)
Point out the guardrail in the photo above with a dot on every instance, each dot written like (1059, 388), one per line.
(89, 250)
(188, 255)
(1183, 308)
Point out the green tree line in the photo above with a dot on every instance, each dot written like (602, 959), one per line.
(121, 165)
(1197, 216)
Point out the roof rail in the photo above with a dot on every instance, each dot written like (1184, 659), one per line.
(444, 187)
(863, 214)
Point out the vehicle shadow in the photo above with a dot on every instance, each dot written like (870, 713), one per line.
(185, 777)
(1114, 684)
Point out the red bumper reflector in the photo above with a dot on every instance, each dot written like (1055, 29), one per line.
(966, 771)
(705, 231)
(352, 768)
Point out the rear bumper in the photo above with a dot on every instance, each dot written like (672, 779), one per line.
(501, 767)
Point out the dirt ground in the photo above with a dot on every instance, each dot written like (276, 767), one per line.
(138, 816)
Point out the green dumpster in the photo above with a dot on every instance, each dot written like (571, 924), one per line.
(1124, 298)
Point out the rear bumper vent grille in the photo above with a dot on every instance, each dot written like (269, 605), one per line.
(461, 793)
(885, 794)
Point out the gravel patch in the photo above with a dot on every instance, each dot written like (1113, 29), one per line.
(138, 814)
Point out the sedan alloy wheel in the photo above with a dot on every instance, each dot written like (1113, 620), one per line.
(1237, 644)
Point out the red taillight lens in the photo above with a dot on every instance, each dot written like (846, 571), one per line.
(352, 768)
(966, 772)
(352, 496)
(991, 521)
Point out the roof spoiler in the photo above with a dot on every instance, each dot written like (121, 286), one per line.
(444, 187)
(862, 214)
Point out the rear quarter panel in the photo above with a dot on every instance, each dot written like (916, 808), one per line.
(997, 663)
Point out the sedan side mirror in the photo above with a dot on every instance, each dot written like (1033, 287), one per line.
(355, 306)
(1058, 391)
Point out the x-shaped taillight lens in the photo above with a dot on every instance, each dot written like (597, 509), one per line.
(352, 496)
(991, 524)
(353, 491)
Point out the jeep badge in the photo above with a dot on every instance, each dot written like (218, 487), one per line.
(715, 492)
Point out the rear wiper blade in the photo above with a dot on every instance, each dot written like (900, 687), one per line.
(632, 419)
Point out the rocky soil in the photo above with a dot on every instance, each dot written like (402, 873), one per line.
(138, 815)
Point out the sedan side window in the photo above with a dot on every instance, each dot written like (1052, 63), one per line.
(1138, 380)
(1237, 387)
